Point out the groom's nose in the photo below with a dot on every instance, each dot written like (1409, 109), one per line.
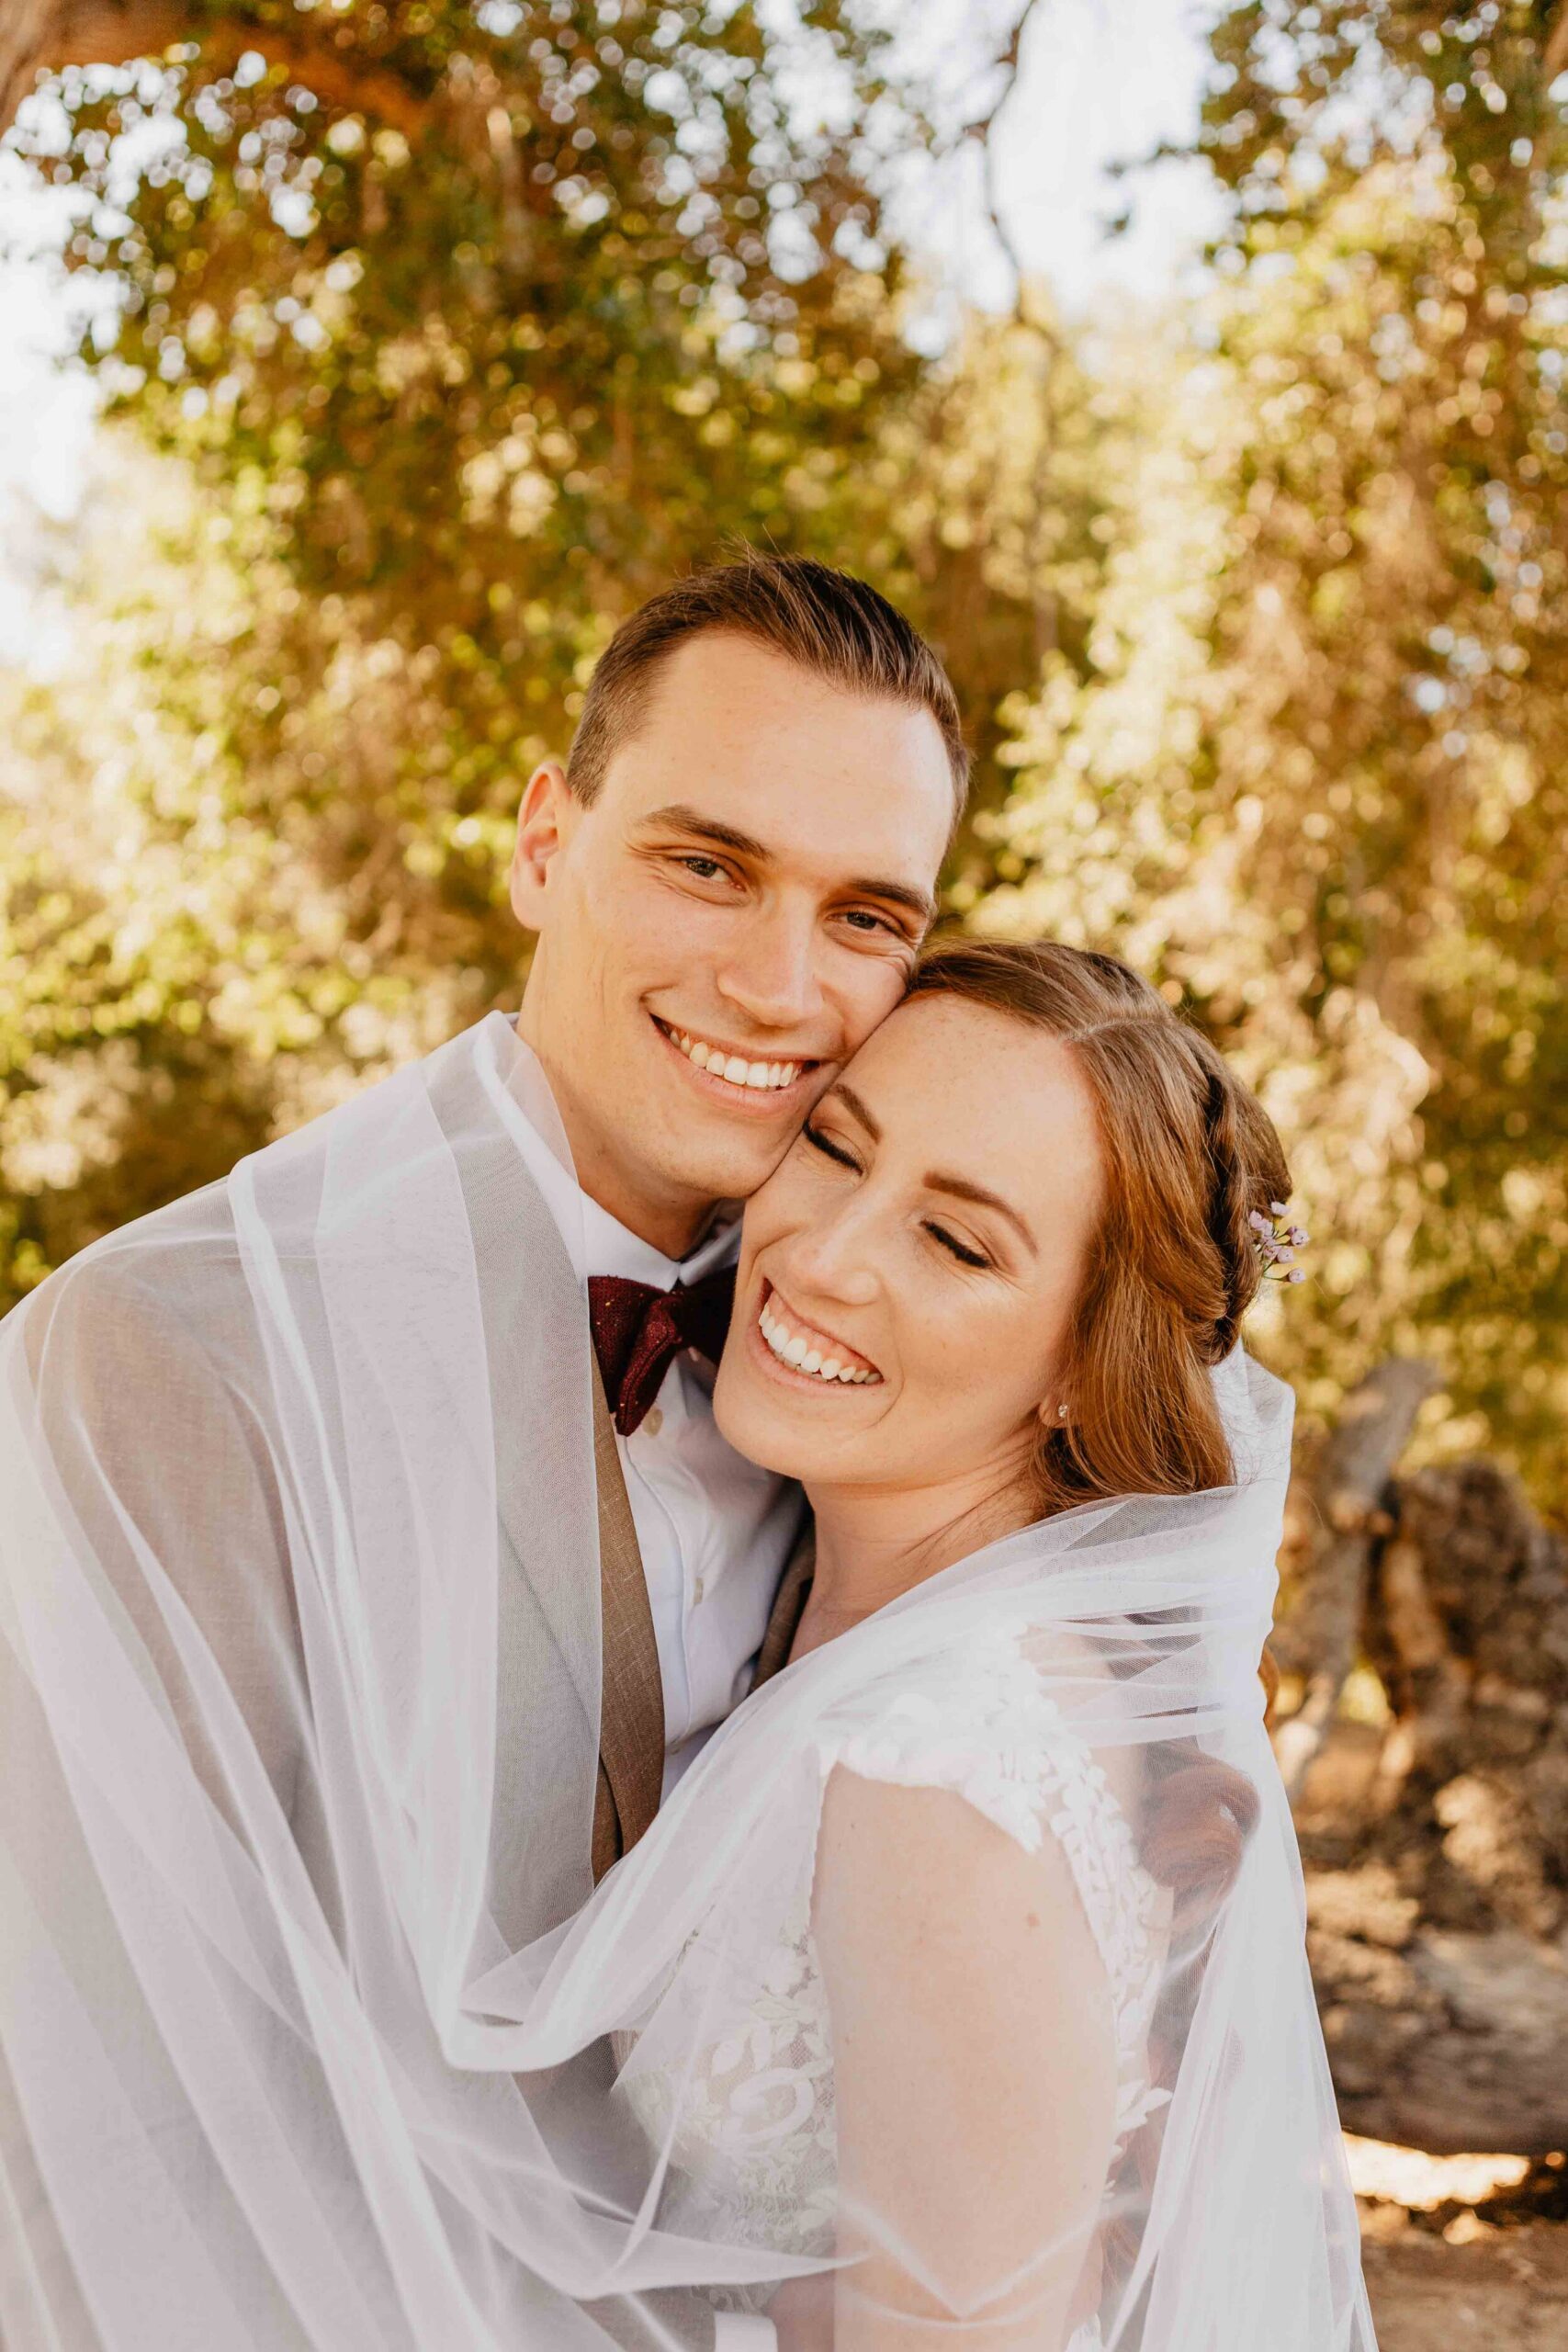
(768, 972)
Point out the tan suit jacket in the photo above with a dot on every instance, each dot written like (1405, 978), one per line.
(539, 1875)
(631, 1777)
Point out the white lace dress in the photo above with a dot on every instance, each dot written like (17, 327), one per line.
(753, 2157)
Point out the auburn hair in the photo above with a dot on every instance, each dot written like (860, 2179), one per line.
(1189, 1153)
(825, 621)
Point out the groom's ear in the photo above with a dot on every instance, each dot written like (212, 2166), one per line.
(544, 825)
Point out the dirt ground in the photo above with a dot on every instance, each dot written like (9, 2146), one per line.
(1504, 2291)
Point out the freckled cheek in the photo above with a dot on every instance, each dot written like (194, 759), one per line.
(988, 1363)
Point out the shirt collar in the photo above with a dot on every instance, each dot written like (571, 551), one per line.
(610, 1248)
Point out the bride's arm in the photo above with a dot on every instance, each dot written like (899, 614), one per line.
(975, 2071)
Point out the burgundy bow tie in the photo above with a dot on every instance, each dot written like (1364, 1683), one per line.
(637, 1329)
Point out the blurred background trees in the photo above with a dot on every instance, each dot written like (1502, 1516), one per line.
(1313, 772)
(442, 332)
(432, 335)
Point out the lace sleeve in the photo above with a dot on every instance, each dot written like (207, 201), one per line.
(986, 1730)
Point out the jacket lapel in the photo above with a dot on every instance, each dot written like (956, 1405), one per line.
(631, 1715)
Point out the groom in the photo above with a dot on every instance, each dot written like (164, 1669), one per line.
(729, 882)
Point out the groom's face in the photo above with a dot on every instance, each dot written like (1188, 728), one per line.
(721, 928)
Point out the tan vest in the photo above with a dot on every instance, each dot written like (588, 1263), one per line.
(631, 1718)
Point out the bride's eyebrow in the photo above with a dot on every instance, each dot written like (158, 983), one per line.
(959, 1188)
(852, 1101)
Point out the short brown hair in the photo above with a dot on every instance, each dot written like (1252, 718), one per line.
(827, 621)
(1189, 1152)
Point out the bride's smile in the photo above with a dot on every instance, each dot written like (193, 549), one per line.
(806, 1351)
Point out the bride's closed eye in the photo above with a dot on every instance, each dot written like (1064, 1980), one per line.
(830, 1149)
(960, 1249)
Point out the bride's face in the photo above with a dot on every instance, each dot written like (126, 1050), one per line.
(908, 1272)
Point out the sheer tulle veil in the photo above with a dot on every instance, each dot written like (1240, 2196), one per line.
(313, 2029)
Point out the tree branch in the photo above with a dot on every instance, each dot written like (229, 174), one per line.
(981, 132)
(45, 35)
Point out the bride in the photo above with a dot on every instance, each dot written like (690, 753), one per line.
(955, 2001)
(1000, 2006)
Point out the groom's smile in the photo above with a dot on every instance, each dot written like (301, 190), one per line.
(734, 1074)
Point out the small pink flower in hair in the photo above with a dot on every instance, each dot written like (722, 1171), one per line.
(1276, 1244)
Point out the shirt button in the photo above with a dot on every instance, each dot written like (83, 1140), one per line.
(696, 1590)
(654, 1422)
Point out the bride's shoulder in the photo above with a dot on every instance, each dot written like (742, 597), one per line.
(985, 1736)
(961, 1815)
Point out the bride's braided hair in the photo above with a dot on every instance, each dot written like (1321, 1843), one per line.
(1190, 1155)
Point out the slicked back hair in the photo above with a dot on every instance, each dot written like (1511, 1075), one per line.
(827, 622)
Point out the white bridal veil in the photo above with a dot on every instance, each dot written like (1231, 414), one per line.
(313, 2033)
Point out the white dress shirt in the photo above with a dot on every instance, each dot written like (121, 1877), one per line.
(714, 1531)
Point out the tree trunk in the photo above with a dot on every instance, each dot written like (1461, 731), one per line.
(1555, 56)
(38, 33)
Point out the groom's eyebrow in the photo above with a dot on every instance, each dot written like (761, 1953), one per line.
(685, 819)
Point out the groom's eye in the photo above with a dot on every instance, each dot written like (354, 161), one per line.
(830, 1150)
(706, 869)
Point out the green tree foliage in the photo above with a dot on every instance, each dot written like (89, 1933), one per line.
(452, 352)
(179, 975)
(1313, 772)
(469, 326)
